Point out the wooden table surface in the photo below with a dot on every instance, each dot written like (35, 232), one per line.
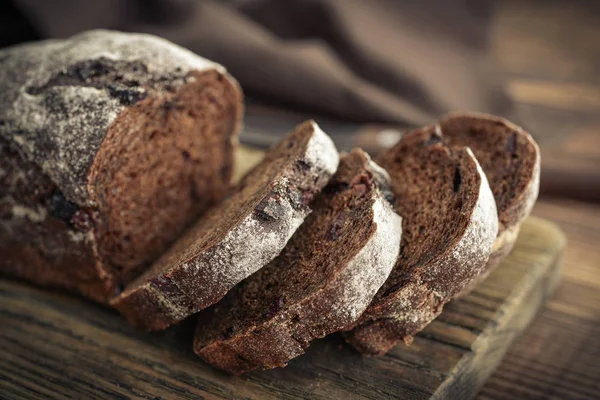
(558, 356)
(552, 53)
(58, 346)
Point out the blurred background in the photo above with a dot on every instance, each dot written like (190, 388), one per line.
(369, 70)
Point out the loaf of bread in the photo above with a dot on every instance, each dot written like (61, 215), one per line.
(322, 282)
(238, 236)
(110, 145)
(510, 159)
(448, 230)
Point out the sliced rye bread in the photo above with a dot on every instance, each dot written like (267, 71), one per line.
(236, 237)
(510, 159)
(448, 229)
(110, 145)
(322, 281)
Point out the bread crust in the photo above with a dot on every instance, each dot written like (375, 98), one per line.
(338, 304)
(421, 296)
(158, 299)
(60, 100)
(54, 113)
(511, 215)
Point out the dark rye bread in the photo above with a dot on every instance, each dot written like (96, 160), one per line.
(236, 237)
(110, 144)
(448, 229)
(510, 159)
(322, 281)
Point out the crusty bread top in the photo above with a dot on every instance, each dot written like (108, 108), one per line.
(321, 282)
(449, 226)
(238, 236)
(54, 110)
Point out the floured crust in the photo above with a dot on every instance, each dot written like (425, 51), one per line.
(419, 297)
(61, 99)
(503, 245)
(273, 342)
(512, 214)
(185, 281)
(25, 213)
(81, 114)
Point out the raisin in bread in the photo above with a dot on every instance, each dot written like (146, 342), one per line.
(322, 281)
(238, 236)
(448, 230)
(110, 144)
(510, 159)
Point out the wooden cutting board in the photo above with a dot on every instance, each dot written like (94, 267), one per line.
(55, 346)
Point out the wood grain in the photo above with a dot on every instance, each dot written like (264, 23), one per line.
(57, 346)
(558, 357)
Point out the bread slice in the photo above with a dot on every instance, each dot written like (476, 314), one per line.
(110, 145)
(510, 159)
(237, 237)
(448, 229)
(322, 281)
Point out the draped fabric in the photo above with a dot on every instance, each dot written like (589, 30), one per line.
(364, 60)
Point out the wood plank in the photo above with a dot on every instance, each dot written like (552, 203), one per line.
(56, 346)
(558, 357)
